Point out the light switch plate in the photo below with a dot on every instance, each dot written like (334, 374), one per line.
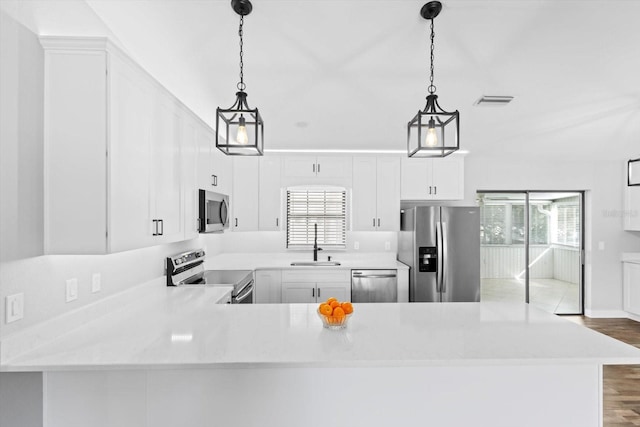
(95, 282)
(14, 307)
(72, 289)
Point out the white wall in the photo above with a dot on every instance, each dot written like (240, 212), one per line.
(602, 179)
(21, 133)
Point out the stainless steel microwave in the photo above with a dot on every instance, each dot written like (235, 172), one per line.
(213, 212)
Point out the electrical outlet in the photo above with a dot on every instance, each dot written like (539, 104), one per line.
(72, 289)
(95, 282)
(387, 246)
(601, 246)
(14, 307)
(356, 245)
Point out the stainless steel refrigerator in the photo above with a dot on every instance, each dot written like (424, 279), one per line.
(441, 245)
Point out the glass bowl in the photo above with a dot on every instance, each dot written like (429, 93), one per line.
(332, 322)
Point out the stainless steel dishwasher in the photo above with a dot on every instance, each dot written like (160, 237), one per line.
(374, 286)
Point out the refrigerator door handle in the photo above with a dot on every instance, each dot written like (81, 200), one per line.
(439, 255)
(443, 229)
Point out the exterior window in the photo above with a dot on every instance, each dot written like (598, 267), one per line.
(566, 224)
(326, 208)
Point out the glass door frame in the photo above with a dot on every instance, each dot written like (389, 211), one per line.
(527, 194)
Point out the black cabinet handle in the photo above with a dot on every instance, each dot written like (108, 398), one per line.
(236, 222)
(276, 222)
(429, 189)
(314, 168)
(161, 227)
(435, 190)
(313, 292)
(155, 223)
(318, 292)
(374, 222)
(378, 222)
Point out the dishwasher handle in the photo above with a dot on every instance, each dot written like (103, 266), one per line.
(375, 276)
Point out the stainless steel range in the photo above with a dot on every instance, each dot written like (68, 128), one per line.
(187, 268)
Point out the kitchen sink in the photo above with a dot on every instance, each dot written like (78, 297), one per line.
(314, 263)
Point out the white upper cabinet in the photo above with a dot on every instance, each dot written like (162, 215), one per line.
(244, 203)
(214, 167)
(376, 193)
(270, 200)
(632, 197)
(300, 170)
(189, 176)
(432, 179)
(114, 172)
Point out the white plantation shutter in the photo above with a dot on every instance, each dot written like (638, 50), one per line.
(568, 232)
(325, 208)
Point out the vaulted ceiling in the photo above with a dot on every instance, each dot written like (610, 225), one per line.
(349, 74)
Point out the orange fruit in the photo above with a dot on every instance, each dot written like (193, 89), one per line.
(326, 309)
(347, 307)
(338, 313)
(330, 300)
(334, 304)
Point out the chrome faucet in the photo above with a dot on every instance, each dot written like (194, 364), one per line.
(315, 242)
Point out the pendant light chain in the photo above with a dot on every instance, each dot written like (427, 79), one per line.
(241, 86)
(432, 88)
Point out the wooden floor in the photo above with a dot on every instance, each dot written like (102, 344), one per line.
(621, 383)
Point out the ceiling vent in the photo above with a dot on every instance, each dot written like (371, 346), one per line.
(493, 101)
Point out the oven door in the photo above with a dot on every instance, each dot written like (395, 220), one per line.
(244, 295)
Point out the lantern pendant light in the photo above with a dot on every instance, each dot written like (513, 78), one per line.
(433, 132)
(241, 126)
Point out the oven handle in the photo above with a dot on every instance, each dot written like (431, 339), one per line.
(241, 297)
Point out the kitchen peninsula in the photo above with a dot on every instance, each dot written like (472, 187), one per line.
(178, 357)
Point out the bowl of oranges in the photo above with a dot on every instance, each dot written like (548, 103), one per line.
(335, 314)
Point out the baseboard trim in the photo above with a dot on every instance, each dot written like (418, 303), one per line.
(606, 314)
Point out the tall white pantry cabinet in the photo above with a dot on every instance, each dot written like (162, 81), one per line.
(120, 152)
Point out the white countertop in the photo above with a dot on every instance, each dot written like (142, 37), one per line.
(183, 328)
(263, 261)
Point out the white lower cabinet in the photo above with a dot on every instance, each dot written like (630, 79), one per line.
(631, 283)
(304, 286)
(268, 287)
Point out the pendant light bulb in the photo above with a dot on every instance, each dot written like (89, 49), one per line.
(432, 137)
(242, 138)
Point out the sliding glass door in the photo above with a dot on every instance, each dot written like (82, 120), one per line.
(531, 248)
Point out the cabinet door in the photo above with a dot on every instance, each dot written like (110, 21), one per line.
(388, 194)
(299, 166)
(245, 194)
(204, 141)
(631, 282)
(298, 293)
(333, 167)
(189, 156)
(268, 287)
(222, 169)
(340, 291)
(363, 197)
(447, 178)
(270, 208)
(632, 208)
(165, 167)
(129, 160)
(415, 178)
